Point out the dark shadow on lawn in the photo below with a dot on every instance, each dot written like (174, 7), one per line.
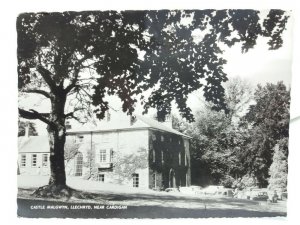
(209, 202)
(24, 210)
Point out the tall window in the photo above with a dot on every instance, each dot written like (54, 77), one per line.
(111, 155)
(153, 155)
(23, 160)
(154, 179)
(45, 160)
(79, 163)
(100, 177)
(185, 160)
(102, 156)
(135, 180)
(162, 157)
(33, 160)
(179, 158)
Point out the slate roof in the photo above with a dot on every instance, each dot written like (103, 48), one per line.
(40, 144)
(141, 123)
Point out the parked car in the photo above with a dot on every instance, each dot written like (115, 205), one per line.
(281, 193)
(258, 195)
(192, 190)
(211, 190)
(174, 190)
(225, 192)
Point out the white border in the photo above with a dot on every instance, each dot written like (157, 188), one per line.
(8, 81)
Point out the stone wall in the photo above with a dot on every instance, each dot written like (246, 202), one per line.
(127, 153)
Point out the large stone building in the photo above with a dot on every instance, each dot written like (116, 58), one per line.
(134, 151)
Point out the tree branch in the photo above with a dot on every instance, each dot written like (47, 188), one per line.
(33, 115)
(46, 94)
(76, 73)
(46, 74)
(71, 115)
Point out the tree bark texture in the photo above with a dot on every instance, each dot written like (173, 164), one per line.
(57, 139)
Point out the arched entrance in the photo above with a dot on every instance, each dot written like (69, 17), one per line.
(172, 179)
(78, 164)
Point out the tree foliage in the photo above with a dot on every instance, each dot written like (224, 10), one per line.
(217, 138)
(278, 170)
(31, 128)
(268, 121)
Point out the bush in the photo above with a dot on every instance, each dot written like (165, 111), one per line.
(227, 181)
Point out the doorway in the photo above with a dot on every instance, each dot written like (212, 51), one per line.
(172, 179)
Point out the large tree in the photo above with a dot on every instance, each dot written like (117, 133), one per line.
(78, 58)
(268, 124)
(217, 137)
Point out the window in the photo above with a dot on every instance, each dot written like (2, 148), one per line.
(179, 141)
(79, 163)
(179, 158)
(185, 160)
(162, 138)
(162, 157)
(100, 177)
(79, 138)
(102, 156)
(135, 180)
(45, 160)
(153, 156)
(154, 179)
(23, 160)
(33, 160)
(111, 155)
(153, 137)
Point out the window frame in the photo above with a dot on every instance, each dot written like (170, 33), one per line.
(32, 160)
(80, 173)
(154, 179)
(101, 177)
(23, 160)
(102, 156)
(135, 180)
(45, 156)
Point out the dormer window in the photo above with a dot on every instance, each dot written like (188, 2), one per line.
(80, 138)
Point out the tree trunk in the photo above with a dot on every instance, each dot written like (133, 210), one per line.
(57, 138)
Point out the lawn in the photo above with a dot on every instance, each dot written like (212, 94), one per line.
(176, 204)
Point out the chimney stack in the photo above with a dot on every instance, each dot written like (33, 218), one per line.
(27, 130)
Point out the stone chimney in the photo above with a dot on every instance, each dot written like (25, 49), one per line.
(26, 130)
(167, 122)
(68, 125)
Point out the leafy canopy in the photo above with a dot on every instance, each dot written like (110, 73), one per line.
(169, 53)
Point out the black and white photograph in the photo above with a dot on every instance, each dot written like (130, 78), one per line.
(161, 114)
